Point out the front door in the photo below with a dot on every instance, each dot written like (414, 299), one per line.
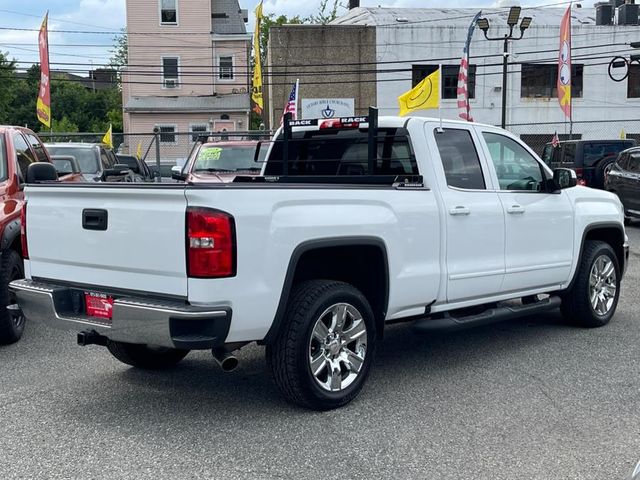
(473, 218)
(539, 226)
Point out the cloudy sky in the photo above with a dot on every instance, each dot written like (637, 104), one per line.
(78, 51)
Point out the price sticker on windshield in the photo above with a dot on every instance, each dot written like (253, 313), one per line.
(212, 153)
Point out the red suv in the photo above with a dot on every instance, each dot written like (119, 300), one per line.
(19, 148)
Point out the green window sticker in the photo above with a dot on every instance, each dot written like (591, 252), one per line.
(212, 153)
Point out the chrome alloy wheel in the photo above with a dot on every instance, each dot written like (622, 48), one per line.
(602, 285)
(337, 347)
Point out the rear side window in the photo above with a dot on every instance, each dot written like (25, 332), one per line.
(633, 164)
(23, 154)
(3, 159)
(460, 159)
(344, 153)
(37, 146)
(594, 151)
(569, 154)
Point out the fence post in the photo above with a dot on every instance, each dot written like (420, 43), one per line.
(157, 140)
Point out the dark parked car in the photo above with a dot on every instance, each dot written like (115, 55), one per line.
(623, 178)
(97, 161)
(139, 167)
(589, 158)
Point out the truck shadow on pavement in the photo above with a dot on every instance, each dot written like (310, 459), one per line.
(197, 390)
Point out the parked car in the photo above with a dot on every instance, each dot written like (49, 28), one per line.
(444, 224)
(220, 162)
(623, 178)
(589, 158)
(97, 161)
(19, 148)
(139, 167)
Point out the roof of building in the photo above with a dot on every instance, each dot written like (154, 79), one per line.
(210, 103)
(227, 17)
(457, 17)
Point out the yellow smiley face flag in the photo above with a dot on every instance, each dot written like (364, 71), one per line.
(425, 95)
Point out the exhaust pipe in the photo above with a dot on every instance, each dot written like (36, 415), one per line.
(227, 360)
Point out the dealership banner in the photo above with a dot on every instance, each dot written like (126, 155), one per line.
(327, 107)
(43, 104)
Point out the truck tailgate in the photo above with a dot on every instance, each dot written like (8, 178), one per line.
(141, 246)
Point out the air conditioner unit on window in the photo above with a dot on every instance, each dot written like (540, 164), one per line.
(171, 82)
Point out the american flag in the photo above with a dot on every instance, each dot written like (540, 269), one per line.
(463, 74)
(555, 141)
(292, 104)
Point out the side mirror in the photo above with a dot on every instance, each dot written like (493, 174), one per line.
(41, 172)
(118, 170)
(176, 173)
(564, 178)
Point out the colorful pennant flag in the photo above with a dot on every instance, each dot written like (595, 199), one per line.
(463, 74)
(564, 64)
(43, 104)
(108, 137)
(256, 84)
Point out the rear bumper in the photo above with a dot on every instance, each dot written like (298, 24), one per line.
(135, 319)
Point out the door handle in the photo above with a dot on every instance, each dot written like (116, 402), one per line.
(459, 210)
(515, 209)
(94, 219)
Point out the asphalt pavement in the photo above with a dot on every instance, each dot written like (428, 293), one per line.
(532, 398)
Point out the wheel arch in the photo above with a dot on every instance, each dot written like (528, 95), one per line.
(328, 259)
(11, 236)
(608, 232)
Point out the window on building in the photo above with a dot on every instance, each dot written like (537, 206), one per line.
(168, 12)
(633, 81)
(167, 133)
(449, 78)
(225, 67)
(539, 80)
(197, 129)
(460, 159)
(170, 71)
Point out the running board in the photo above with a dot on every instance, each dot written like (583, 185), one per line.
(450, 323)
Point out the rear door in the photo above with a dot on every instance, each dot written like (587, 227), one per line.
(631, 183)
(92, 234)
(473, 217)
(539, 226)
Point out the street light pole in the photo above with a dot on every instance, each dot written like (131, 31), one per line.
(512, 21)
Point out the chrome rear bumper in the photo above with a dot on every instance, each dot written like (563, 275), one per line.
(135, 319)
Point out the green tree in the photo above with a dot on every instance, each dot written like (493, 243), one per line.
(7, 87)
(119, 55)
(326, 12)
(64, 125)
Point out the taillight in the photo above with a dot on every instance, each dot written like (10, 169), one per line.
(580, 175)
(23, 231)
(211, 243)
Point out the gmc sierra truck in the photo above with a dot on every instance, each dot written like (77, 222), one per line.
(354, 223)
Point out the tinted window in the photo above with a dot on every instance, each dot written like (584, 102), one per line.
(515, 167)
(622, 161)
(569, 153)
(594, 151)
(226, 158)
(547, 154)
(460, 159)
(86, 156)
(344, 152)
(41, 154)
(633, 164)
(3, 159)
(104, 159)
(23, 154)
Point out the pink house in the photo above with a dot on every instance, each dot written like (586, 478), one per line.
(188, 71)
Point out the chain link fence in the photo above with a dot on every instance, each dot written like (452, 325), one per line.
(160, 150)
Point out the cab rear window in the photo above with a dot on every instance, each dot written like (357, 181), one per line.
(343, 153)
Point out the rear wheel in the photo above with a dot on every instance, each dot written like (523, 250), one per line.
(601, 171)
(593, 297)
(144, 356)
(11, 268)
(323, 355)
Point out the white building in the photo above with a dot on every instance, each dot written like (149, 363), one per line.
(412, 42)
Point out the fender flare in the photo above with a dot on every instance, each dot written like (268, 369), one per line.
(10, 232)
(310, 245)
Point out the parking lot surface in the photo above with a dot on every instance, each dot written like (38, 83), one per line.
(531, 398)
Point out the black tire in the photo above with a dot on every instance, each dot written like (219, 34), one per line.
(143, 356)
(576, 303)
(288, 357)
(599, 171)
(11, 268)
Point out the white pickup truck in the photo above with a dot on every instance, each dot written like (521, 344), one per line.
(354, 223)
